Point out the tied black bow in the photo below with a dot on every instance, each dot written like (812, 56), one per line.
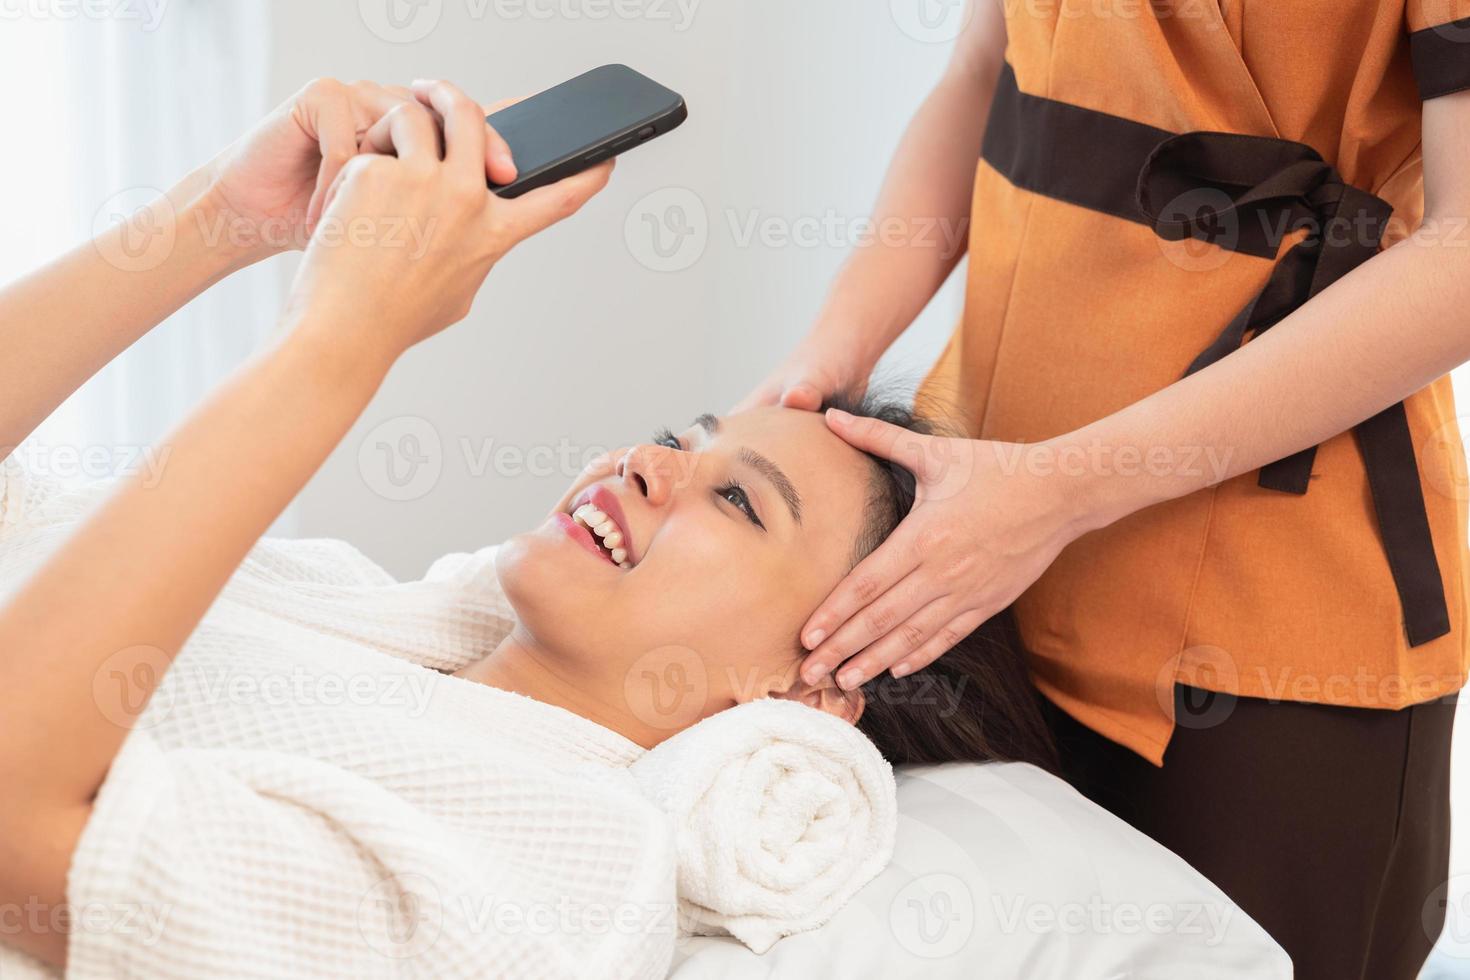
(1248, 194)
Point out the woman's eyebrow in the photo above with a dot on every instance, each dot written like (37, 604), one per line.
(773, 473)
(778, 479)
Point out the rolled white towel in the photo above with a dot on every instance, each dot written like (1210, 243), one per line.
(781, 813)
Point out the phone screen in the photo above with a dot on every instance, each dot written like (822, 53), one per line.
(596, 114)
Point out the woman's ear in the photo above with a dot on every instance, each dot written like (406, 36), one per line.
(824, 695)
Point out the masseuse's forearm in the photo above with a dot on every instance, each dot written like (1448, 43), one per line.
(60, 324)
(1377, 335)
(147, 566)
(921, 220)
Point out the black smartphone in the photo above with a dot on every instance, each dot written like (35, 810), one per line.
(584, 121)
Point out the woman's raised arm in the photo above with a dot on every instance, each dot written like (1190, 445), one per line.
(262, 195)
(137, 577)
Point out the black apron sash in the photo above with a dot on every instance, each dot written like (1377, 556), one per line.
(1246, 194)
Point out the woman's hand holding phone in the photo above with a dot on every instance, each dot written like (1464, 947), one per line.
(406, 240)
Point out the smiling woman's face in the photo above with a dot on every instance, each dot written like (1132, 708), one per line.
(734, 530)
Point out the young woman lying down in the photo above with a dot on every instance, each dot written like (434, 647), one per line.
(227, 756)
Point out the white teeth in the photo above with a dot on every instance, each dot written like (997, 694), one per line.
(606, 530)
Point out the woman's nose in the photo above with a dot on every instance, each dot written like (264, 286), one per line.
(652, 471)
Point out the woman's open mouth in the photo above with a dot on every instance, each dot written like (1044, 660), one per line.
(597, 522)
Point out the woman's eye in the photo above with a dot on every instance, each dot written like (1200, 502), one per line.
(736, 495)
(667, 439)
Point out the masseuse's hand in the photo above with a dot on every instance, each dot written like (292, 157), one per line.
(985, 524)
(272, 183)
(825, 362)
(419, 233)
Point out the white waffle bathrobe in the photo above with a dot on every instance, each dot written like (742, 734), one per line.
(307, 794)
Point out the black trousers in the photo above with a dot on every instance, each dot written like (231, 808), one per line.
(1329, 826)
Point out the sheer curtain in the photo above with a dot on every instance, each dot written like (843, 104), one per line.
(110, 107)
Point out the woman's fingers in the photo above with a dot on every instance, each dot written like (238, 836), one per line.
(893, 610)
(893, 442)
(470, 144)
(866, 583)
(929, 625)
(336, 131)
(333, 114)
(499, 162)
(940, 643)
(537, 210)
(407, 131)
(802, 395)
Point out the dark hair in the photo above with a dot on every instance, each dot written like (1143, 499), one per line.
(976, 702)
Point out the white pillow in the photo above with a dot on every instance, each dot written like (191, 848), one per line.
(1004, 871)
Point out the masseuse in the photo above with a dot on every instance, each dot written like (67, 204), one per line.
(1219, 267)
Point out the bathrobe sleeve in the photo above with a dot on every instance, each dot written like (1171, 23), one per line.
(31, 500)
(258, 864)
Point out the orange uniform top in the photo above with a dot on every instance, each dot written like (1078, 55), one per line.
(1119, 241)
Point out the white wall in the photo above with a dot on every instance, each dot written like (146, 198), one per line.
(576, 343)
